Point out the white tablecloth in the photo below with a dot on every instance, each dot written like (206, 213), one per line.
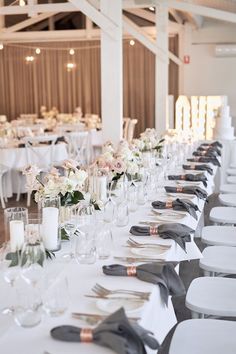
(15, 159)
(154, 315)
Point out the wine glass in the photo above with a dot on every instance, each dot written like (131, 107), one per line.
(10, 262)
(109, 207)
(70, 225)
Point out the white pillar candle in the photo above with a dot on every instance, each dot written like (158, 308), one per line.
(16, 234)
(102, 188)
(50, 228)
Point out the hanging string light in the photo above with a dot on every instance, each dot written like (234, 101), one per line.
(70, 66)
(22, 3)
(37, 50)
(1, 46)
(151, 8)
(29, 58)
(72, 52)
(132, 42)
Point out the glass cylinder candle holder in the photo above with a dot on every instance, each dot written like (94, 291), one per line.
(15, 220)
(51, 233)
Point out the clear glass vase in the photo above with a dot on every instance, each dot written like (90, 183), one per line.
(15, 220)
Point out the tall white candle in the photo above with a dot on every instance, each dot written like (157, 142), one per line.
(50, 228)
(102, 188)
(16, 234)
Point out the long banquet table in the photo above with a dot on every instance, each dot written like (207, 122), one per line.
(154, 315)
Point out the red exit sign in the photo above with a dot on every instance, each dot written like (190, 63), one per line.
(186, 59)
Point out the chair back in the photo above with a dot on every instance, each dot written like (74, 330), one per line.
(79, 146)
(126, 121)
(40, 150)
(131, 128)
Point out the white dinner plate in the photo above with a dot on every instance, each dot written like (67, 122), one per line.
(182, 195)
(189, 183)
(112, 305)
(151, 252)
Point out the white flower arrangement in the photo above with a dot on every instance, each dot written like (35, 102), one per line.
(69, 187)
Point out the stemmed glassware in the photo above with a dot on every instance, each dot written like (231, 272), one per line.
(109, 207)
(10, 264)
(70, 224)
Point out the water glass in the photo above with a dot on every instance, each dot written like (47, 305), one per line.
(141, 193)
(85, 248)
(104, 243)
(28, 311)
(132, 197)
(56, 296)
(122, 215)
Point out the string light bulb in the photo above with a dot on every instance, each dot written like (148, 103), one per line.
(29, 59)
(1, 46)
(72, 52)
(37, 50)
(70, 66)
(151, 8)
(22, 3)
(132, 42)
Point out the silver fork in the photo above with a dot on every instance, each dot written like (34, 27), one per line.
(100, 290)
(136, 244)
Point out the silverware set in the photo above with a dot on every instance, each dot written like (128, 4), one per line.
(137, 259)
(135, 244)
(104, 292)
(93, 319)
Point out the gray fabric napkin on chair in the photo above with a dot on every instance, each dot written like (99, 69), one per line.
(205, 159)
(178, 232)
(115, 332)
(210, 149)
(163, 274)
(199, 192)
(206, 153)
(178, 204)
(215, 143)
(199, 168)
(200, 177)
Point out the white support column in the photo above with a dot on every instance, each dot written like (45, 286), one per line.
(112, 73)
(2, 17)
(161, 70)
(184, 49)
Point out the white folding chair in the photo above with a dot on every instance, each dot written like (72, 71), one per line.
(231, 179)
(228, 199)
(228, 188)
(206, 336)
(79, 146)
(218, 260)
(131, 128)
(126, 121)
(223, 215)
(3, 171)
(40, 152)
(219, 235)
(231, 171)
(212, 296)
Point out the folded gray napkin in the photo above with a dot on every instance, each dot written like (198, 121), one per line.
(210, 149)
(200, 177)
(115, 332)
(178, 204)
(178, 232)
(163, 274)
(215, 143)
(206, 153)
(199, 192)
(205, 159)
(199, 168)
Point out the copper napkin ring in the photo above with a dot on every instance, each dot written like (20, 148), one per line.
(169, 204)
(86, 335)
(192, 167)
(182, 177)
(131, 271)
(153, 230)
(179, 189)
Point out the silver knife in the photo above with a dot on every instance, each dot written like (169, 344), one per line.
(135, 260)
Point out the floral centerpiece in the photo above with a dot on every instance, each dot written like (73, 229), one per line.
(69, 187)
(149, 141)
